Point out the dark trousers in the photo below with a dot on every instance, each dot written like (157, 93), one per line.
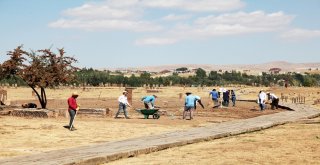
(225, 102)
(215, 102)
(189, 109)
(72, 114)
(275, 103)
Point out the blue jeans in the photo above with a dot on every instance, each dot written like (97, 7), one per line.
(226, 102)
(233, 100)
(72, 114)
(122, 107)
(262, 105)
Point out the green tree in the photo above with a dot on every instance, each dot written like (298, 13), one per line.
(200, 73)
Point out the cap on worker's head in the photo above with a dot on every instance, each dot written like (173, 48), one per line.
(125, 92)
(75, 93)
(188, 93)
(268, 93)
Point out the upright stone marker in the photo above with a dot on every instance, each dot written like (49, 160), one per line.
(129, 90)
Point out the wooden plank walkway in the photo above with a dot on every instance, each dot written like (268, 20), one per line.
(106, 152)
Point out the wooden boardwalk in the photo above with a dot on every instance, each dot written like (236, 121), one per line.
(106, 152)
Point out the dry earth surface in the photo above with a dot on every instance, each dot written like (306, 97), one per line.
(286, 144)
(22, 136)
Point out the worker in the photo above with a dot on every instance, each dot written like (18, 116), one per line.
(274, 100)
(190, 104)
(233, 97)
(262, 99)
(149, 101)
(123, 103)
(73, 107)
(215, 98)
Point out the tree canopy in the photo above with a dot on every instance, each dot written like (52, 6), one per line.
(39, 69)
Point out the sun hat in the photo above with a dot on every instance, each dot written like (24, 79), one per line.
(75, 93)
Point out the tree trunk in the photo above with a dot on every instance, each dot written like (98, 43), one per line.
(42, 98)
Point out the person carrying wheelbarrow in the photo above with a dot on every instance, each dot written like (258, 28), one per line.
(149, 101)
(190, 104)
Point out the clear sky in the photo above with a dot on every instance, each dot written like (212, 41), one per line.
(130, 33)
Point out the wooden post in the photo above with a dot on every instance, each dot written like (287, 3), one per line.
(3, 95)
(130, 95)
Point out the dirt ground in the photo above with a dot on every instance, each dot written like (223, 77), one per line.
(22, 136)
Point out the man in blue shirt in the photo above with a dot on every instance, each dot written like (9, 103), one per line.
(215, 98)
(190, 104)
(149, 101)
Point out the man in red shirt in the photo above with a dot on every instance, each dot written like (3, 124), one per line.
(72, 109)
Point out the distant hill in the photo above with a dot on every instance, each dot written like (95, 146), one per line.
(263, 67)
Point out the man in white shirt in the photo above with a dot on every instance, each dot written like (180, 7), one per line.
(262, 100)
(123, 102)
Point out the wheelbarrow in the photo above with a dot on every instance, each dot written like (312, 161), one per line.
(148, 112)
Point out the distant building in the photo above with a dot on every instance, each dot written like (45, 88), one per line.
(274, 70)
(182, 70)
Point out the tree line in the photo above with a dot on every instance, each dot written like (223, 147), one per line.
(92, 77)
(201, 78)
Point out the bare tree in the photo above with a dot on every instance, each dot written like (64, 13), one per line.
(39, 69)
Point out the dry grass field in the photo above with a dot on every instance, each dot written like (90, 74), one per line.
(22, 136)
(286, 144)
